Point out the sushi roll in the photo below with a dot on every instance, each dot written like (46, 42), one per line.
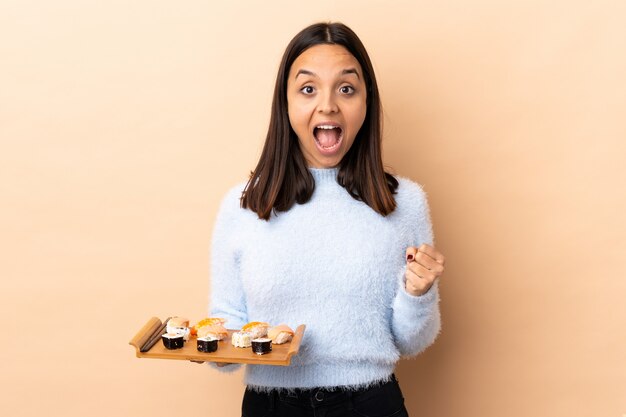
(173, 340)
(207, 344)
(256, 329)
(280, 334)
(241, 339)
(262, 346)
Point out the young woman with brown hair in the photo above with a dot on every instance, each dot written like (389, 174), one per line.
(320, 234)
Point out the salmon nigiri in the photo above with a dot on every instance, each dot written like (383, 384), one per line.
(280, 334)
(211, 321)
(256, 329)
(216, 330)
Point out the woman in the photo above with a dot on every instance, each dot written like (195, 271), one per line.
(322, 235)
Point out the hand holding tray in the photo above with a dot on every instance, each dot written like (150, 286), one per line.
(226, 352)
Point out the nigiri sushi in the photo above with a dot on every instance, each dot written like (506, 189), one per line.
(256, 329)
(217, 331)
(178, 325)
(207, 322)
(280, 334)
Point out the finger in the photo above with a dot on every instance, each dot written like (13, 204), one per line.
(421, 272)
(417, 284)
(413, 290)
(433, 253)
(411, 251)
(429, 263)
(222, 364)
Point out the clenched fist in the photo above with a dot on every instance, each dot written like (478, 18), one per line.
(424, 266)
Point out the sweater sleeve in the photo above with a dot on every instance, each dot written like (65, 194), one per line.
(416, 320)
(227, 299)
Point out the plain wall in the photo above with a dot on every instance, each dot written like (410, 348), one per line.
(123, 123)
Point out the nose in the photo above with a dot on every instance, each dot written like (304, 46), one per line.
(327, 104)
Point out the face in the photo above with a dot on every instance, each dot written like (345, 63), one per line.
(326, 97)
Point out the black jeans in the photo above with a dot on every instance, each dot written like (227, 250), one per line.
(382, 400)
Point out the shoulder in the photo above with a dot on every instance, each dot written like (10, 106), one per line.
(412, 214)
(229, 214)
(410, 194)
(233, 194)
(231, 200)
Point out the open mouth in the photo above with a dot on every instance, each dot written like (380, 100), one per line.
(328, 137)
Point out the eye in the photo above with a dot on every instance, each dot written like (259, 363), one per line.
(346, 89)
(307, 89)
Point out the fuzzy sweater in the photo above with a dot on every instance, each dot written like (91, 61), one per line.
(335, 265)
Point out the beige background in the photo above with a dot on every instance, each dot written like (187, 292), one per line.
(123, 123)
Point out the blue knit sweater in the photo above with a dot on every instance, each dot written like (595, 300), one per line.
(335, 265)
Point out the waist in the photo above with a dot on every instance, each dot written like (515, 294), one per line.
(352, 374)
(324, 396)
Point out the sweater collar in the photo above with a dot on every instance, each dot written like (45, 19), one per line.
(322, 175)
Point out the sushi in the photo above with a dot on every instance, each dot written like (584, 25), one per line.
(173, 340)
(280, 334)
(211, 321)
(241, 339)
(262, 346)
(207, 344)
(256, 329)
(216, 331)
(178, 325)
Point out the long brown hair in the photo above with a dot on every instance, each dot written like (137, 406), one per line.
(281, 177)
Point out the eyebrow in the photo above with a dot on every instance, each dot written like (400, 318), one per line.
(305, 72)
(344, 72)
(351, 71)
